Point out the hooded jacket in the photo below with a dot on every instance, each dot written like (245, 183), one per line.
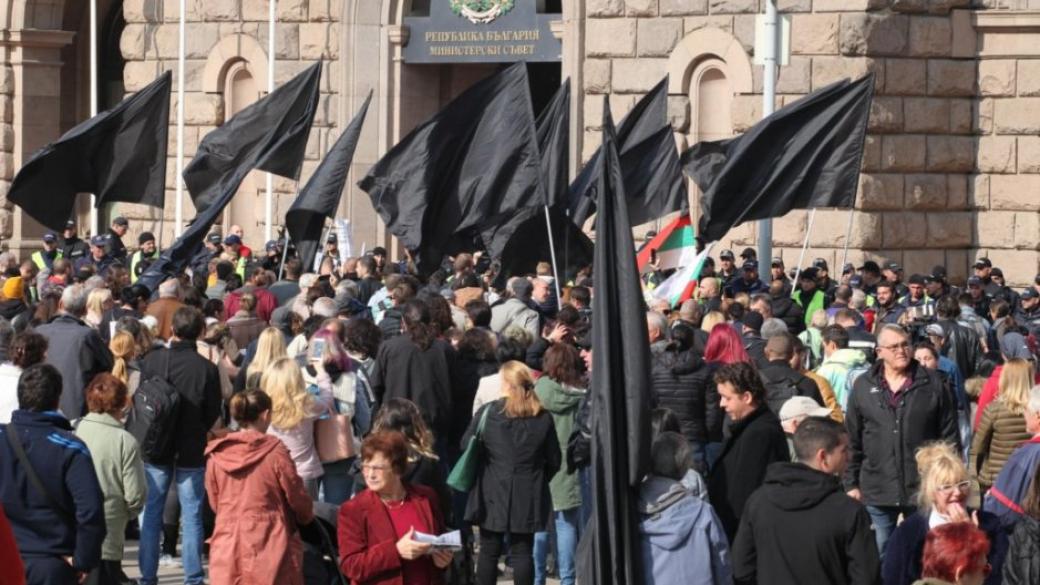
(514, 311)
(835, 369)
(1022, 563)
(799, 528)
(16, 312)
(680, 538)
(259, 501)
(681, 382)
(562, 402)
(790, 312)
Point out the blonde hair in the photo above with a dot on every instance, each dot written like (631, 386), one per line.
(518, 390)
(290, 401)
(270, 347)
(712, 319)
(123, 347)
(96, 300)
(938, 464)
(1016, 379)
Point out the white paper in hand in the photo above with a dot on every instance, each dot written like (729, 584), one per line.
(451, 539)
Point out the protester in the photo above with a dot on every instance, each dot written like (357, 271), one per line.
(521, 453)
(755, 440)
(377, 527)
(1013, 346)
(681, 382)
(258, 499)
(424, 466)
(781, 381)
(1022, 563)
(270, 347)
(1002, 427)
(913, 408)
(256, 285)
(48, 487)
(244, 326)
(945, 490)
(27, 349)
(119, 468)
(1006, 496)
(800, 527)
(681, 538)
(793, 412)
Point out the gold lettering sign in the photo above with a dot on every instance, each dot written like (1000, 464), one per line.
(482, 43)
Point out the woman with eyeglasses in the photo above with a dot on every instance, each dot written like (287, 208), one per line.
(377, 528)
(943, 499)
(955, 554)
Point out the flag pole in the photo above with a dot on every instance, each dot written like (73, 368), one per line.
(805, 244)
(269, 199)
(179, 206)
(769, 68)
(552, 253)
(93, 100)
(285, 253)
(848, 236)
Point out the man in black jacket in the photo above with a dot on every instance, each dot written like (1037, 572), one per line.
(800, 527)
(781, 381)
(198, 382)
(755, 440)
(959, 343)
(892, 410)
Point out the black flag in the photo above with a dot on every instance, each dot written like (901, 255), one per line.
(286, 115)
(119, 155)
(472, 164)
(320, 197)
(553, 130)
(805, 155)
(620, 389)
(649, 160)
(522, 242)
(233, 145)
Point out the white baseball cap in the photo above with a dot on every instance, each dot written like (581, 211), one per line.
(801, 406)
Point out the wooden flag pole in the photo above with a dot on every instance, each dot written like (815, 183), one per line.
(552, 253)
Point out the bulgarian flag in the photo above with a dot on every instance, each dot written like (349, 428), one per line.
(675, 246)
(679, 287)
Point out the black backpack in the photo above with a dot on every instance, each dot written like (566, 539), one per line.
(779, 390)
(153, 415)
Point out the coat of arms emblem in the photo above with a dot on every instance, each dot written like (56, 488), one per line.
(481, 11)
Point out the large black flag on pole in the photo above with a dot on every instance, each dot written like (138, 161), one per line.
(320, 197)
(474, 163)
(234, 145)
(650, 162)
(620, 389)
(118, 155)
(805, 155)
(553, 131)
(286, 115)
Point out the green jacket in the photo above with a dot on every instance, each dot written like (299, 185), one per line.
(816, 303)
(120, 471)
(562, 402)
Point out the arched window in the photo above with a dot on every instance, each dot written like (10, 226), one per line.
(710, 98)
(240, 88)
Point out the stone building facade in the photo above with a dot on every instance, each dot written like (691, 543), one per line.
(951, 169)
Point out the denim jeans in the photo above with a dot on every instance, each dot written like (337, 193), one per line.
(566, 545)
(884, 519)
(190, 493)
(337, 484)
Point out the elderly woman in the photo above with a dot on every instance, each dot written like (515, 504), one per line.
(945, 489)
(119, 468)
(955, 554)
(377, 527)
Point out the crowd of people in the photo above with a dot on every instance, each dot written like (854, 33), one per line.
(279, 423)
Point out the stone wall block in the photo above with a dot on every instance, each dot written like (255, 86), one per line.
(978, 192)
(201, 40)
(140, 11)
(170, 10)
(886, 115)
(314, 41)
(997, 77)
(925, 191)
(592, 113)
(746, 111)
(610, 37)
(930, 36)
(910, 6)
(922, 261)
(744, 30)
(792, 6)
(6, 138)
(904, 230)
(996, 154)
(291, 10)
(926, 114)
(597, 75)
(874, 34)
(7, 169)
(133, 43)
(637, 75)
(950, 229)
(167, 43)
(789, 230)
(733, 6)
(982, 116)
(319, 10)
(951, 78)
(961, 115)
(827, 70)
(996, 229)
(906, 77)
(641, 7)
(1029, 154)
(203, 109)
(1017, 116)
(6, 80)
(221, 10)
(848, 5)
(829, 230)
(723, 22)
(795, 77)
(872, 155)
(603, 7)
(254, 10)
(954, 154)
(137, 74)
(658, 36)
(682, 7)
(814, 34)
(1027, 227)
(957, 191)
(1015, 192)
(7, 109)
(1028, 77)
(286, 41)
(905, 152)
(622, 104)
(1018, 265)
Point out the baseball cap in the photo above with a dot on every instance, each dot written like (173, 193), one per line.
(799, 406)
(70, 224)
(856, 281)
(1029, 293)
(213, 238)
(50, 237)
(332, 239)
(145, 237)
(808, 274)
(939, 272)
(1013, 345)
(935, 330)
(750, 265)
(871, 266)
(726, 255)
(893, 266)
(232, 240)
(748, 253)
(98, 241)
(974, 281)
(996, 272)
(120, 221)
(820, 263)
(916, 279)
(849, 267)
(271, 245)
(777, 261)
(983, 262)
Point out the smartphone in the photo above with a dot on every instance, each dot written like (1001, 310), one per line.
(317, 350)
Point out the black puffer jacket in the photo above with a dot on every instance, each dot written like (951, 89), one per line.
(783, 383)
(962, 345)
(1022, 563)
(680, 382)
(882, 439)
(790, 312)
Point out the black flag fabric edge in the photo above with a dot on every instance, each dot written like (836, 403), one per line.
(553, 130)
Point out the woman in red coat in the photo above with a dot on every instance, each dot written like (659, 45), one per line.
(259, 501)
(376, 528)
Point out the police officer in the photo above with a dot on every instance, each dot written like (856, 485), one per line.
(146, 250)
(826, 284)
(776, 272)
(1004, 291)
(272, 256)
(727, 270)
(893, 273)
(72, 248)
(984, 270)
(116, 249)
(98, 258)
(749, 282)
(1027, 313)
(44, 259)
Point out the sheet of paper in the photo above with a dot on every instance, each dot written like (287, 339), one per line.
(451, 539)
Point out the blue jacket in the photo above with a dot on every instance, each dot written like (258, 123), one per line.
(63, 463)
(680, 538)
(1004, 499)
